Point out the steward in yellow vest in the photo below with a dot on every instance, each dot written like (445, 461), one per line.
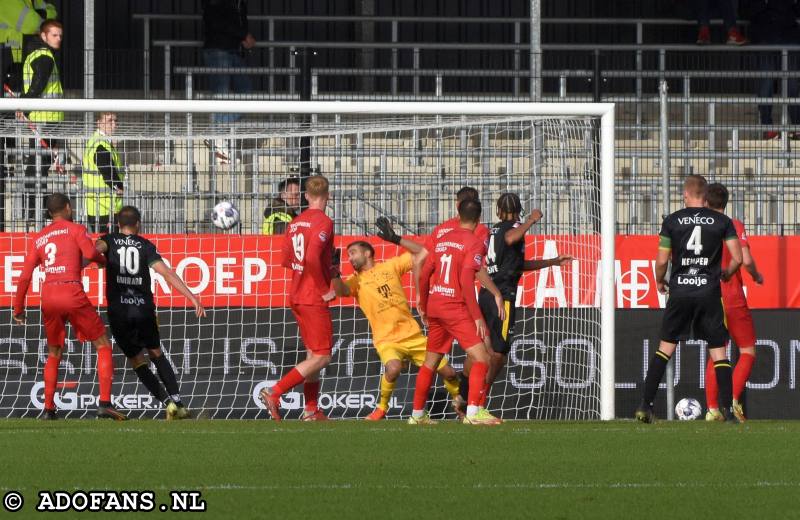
(103, 175)
(19, 20)
(282, 209)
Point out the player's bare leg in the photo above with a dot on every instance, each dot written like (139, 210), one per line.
(422, 387)
(50, 380)
(105, 377)
(391, 371)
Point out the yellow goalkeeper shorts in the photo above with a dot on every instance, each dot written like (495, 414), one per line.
(412, 349)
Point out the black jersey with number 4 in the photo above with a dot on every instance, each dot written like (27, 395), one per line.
(504, 262)
(696, 237)
(128, 270)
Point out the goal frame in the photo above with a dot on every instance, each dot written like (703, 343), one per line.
(605, 111)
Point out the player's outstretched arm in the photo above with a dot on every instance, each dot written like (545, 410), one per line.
(516, 234)
(535, 265)
(387, 232)
(88, 249)
(175, 281)
(749, 264)
(735, 249)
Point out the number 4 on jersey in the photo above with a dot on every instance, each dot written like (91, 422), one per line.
(695, 241)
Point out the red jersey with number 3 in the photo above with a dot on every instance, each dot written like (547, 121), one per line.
(733, 289)
(60, 248)
(453, 253)
(482, 232)
(308, 251)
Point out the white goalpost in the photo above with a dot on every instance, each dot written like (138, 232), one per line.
(404, 161)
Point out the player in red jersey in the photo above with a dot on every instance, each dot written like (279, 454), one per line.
(482, 233)
(308, 251)
(737, 315)
(61, 248)
(449, 304)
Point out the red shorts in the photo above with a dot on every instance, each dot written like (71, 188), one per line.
(67, 302)
(740, 326)
(441, 332)
(316, 328)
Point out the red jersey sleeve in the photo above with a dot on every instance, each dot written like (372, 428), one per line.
(482, 234)
(287, 251)
(320, 250)
(31, 261)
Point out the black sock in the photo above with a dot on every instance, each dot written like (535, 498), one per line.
(655, 373)
(150, 381)
(463, 385)
(167, 375)
(722, 369)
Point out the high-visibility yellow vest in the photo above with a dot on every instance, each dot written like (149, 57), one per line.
(51, 90)
(268, 227)
(99, 198)
(18, 18)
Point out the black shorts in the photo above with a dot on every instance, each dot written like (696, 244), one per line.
(695, 317)
(134, 328)
(500, 331)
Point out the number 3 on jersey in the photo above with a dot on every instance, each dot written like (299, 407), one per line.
(695, 242)
(50, 250)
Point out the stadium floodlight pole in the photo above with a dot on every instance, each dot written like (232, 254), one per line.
(663, 89)
(605, 111)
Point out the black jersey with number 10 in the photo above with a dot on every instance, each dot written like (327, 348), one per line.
(128, 276)
(696, 237)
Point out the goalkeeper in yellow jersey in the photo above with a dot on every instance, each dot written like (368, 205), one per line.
(379, 291)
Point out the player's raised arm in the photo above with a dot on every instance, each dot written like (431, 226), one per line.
(175, 281)
(535, 265)
(516, 234)
(88, 249)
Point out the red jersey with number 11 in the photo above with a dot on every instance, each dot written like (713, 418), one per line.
(447, 280)
(308, 251)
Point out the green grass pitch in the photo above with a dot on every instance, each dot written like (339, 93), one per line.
(348, 469)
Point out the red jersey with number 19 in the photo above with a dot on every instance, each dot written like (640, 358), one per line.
(307, 251)
(452, 264)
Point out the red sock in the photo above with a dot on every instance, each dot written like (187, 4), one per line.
(50, 379)
(711, 385)
(477, 384)
(423, 386)
(311, 392)
(485, 394)
(741, 373)
(287, 382)
(105, 372)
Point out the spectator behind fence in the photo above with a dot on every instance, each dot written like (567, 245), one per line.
(227, 41)
(727, 10)
(103, 176)
(41, 79)
(774, 22)
(19, 20)
(282, 209)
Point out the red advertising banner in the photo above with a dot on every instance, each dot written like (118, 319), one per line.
(245, 271)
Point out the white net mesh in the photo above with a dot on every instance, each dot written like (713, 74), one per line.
(408, 168)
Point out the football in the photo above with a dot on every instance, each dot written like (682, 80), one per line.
(225, 215)
(688, 409)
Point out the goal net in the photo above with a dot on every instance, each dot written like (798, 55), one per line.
(405, 161)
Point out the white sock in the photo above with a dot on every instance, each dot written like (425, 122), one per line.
(472, 410)
(416, 414)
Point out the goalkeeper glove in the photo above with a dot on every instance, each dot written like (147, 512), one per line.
(386, 232)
